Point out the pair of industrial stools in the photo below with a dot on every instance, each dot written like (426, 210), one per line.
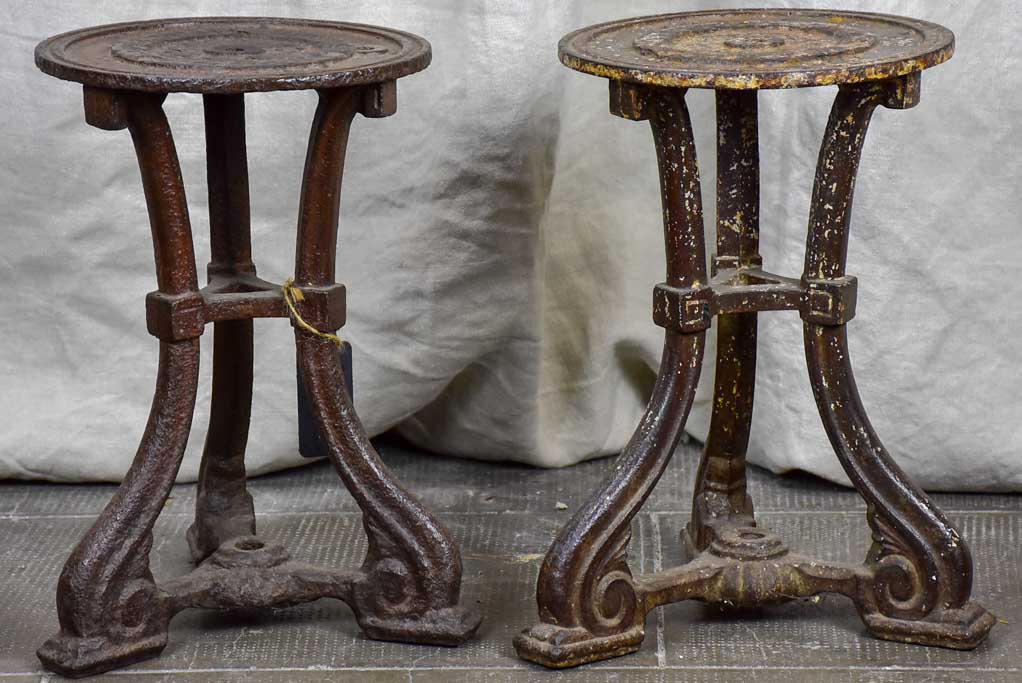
(915, 583)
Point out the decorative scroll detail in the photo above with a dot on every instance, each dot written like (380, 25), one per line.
(589, 603)
(614, 600)
(918, 562)
(111, 611)
(915, 584)
(107, 601)
(411, 583)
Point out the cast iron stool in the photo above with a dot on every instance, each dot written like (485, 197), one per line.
(111, 611)
(915, 583)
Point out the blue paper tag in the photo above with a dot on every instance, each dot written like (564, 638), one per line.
(311, 443)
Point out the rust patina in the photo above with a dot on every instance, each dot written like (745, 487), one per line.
(916, 581)
(111, 610)
(757, 49)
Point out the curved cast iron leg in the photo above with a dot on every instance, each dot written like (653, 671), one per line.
(111, 613)
(590, 606)
(720, 497)
(919, 571)
(223, 506)
(410, 585)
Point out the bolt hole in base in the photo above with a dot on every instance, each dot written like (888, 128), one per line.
(249, 544)
(747, 544)
(249, 551)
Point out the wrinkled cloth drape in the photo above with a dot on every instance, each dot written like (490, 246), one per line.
(500, 237)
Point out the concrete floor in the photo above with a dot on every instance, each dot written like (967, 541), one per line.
(504, 517)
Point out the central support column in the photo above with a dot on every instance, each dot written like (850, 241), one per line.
(223, 506)
(720, 492)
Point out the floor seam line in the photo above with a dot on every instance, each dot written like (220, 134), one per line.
(327, 513)
(484, 667)
(658, 566)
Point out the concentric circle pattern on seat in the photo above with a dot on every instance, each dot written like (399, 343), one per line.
(757, 49)
(231, 55)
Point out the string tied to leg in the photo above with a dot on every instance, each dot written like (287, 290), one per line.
(292, 295)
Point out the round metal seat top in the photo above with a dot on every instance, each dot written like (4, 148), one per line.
(757, 49)
(231, 55)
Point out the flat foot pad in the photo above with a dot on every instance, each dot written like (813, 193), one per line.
(560, 648)
(79, 657)
(450, 627)
(958, 629)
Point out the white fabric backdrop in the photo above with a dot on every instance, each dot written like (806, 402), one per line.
(500, 237)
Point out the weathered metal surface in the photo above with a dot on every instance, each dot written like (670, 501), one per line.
(590, 605)
(720, 482)
(916, 582)
(504, 517)
(223, 507)
(111, 610)
(232, 55)
(757, 49)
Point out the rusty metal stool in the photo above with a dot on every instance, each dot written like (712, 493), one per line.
(915, 583)
(111, 611)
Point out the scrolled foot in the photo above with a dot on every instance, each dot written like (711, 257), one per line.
(391, 603)
(74, 657)
(111, 611)
(957, 629)
(556, 647)
(394, 600)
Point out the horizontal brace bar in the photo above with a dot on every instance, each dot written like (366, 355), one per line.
(239, 297)
(820, 302)
(755, 298)
(721, 263)
(729, 277)
(234, 587)
(244, 305)
(231, 272)
(748, 583)
(229, 279)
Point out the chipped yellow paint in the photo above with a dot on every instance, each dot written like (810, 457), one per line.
(766, 81)
(581, 52)
(526, 558)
